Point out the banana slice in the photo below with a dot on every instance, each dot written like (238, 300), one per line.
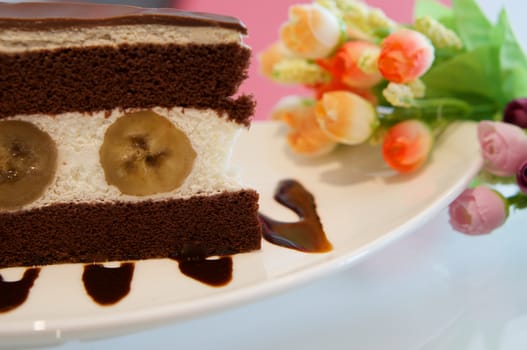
(28, 161)
(143, 153)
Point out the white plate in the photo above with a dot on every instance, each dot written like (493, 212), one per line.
(362, 204)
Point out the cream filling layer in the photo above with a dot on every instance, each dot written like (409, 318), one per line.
(80, 177)
(15, 41)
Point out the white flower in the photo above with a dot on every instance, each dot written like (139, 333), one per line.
(305, 136)
(311, 32)
(346, 117)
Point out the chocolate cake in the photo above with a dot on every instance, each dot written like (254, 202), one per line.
(116, 129)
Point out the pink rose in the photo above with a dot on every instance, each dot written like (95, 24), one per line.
(405, 56)
(478, 211)
(504, 147)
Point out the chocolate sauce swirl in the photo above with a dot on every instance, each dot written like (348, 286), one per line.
(305, 235)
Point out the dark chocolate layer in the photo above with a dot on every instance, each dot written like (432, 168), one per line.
(221, 224)
(129, 76)
(35, 16)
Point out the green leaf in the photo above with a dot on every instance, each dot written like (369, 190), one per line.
(431, 8)
(437, 11)
(449, 22)
(511, 53)
(472, 25)
(514, 82)
(473, 75)
(498, 33)
(512, 60)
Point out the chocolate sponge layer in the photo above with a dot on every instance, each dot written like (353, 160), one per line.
(128, 76)
(221, 224)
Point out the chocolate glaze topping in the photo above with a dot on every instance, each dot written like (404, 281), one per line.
(34, 16)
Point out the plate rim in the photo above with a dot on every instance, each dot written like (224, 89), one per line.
(126, 322)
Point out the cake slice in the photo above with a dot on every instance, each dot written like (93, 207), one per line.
(116, 129)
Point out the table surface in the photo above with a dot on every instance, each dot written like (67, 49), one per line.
(433, 289)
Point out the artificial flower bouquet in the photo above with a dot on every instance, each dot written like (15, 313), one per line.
(375, 80)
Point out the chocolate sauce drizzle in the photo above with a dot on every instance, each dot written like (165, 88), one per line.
(213, 272)
(106, 285)
(14, 294)
(305, 235)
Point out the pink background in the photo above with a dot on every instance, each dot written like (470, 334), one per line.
(263, 19)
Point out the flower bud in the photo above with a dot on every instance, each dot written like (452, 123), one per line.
(516, 113)
(299, 71)
(521, 176)
(305, 136)
(406, 145)
(478, 211)
(399, 95)
(362, 22)
(405, 56)
(269, 57)
(346, 117)
(336, 85)
(311, 32)
(345, 65)
(441, 36)
(503, 147)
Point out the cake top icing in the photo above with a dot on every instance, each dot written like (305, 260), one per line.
(49, 15)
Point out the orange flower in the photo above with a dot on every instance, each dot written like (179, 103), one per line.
(305, 137)
(345, 64)
(311, 32)
(271, 56)
(346, 117)
(335, 85)
(405, 56)
(407, 145)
